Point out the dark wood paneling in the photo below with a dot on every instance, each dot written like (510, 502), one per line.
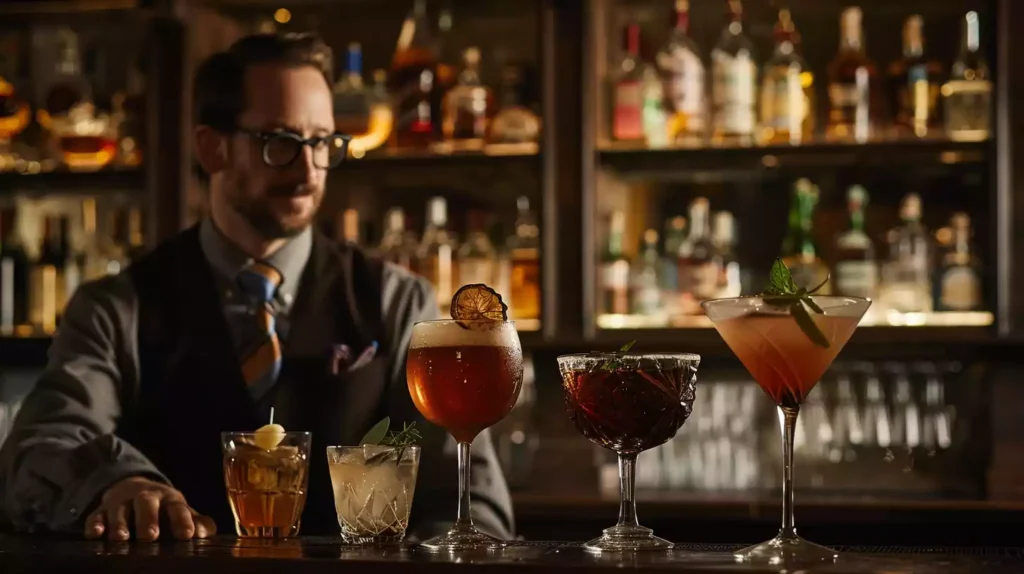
(1008, 210)
(166, 121)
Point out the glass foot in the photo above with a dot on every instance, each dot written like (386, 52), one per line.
(465, 539)
(786, 550)
(627, 539)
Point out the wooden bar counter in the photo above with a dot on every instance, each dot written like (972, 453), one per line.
(311, 555)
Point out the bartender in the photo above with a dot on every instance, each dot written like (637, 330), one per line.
(121, 435)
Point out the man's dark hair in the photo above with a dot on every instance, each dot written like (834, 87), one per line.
(219, 89)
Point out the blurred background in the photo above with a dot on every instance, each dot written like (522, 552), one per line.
(607, 165)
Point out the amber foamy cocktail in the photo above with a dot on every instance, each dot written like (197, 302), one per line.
(464, 376)
(786, 337)
(266, 474)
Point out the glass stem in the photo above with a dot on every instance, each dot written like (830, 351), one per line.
(465, 520)
(627, 491)
(787, 421)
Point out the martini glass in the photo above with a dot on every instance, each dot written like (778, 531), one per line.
(786, 364)
(628, 403)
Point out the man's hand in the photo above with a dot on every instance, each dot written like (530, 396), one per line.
(146, 500)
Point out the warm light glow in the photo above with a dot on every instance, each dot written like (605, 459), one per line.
(282, 16)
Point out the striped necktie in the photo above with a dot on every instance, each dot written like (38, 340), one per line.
(261, 367)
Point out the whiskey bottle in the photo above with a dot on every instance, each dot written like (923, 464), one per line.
(733, 83)
(524, 252)
(958, 283)
(787, 90)
(467, 107)
(351, 98)
(413, 82)
(627, 95)
(514, 125)
(614, 280)
(914, 85)
(699, 272)
(680, 64)
(436, 256)
(968, 93)
(851, 84)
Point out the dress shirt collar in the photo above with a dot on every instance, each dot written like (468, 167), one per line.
(227, 260)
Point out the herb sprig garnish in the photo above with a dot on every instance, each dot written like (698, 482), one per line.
(614, 364)
(783, 292)
(397, 440)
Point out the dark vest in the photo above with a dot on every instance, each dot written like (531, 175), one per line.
(191, 386)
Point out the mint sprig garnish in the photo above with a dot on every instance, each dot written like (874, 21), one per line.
(783, 292)
(614, 363)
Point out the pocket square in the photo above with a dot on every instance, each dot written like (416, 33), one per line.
(342, 360)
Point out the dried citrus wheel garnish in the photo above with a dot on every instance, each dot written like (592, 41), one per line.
(478, 302)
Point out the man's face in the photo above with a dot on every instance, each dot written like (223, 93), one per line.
(278, 202)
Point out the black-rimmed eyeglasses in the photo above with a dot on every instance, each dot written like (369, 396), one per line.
(280, 149)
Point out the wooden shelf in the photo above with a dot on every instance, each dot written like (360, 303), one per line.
(103, 181)
(633, 160)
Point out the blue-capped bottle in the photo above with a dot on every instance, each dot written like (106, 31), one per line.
(351, 98)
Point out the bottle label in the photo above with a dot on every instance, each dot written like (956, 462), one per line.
(616, 274)
(733, 80)
(856, 278)
(961, 290)
(627, 123)
(684, 85)
(6, 295)
(784, 105)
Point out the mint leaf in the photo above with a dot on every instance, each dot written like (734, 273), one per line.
(780, 280)
(807, 325)
(377, 432)
(613, 364)
(782, 292)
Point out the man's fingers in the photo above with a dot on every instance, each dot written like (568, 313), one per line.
(205, 526)
(117, 522)
(94, 524)
(147, 516)
(180, 517)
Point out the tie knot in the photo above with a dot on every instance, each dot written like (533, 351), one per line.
(259, 280)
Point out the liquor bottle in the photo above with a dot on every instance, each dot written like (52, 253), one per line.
(653, 116)
(514, 124)
(435, 258)
(351, 98)
(787, 90)
(135, 238)
(851, 84)
(15, 114)
(467, 107)
(698, 268)
(856, 268)
(674, 237)
(914, 84)
(723, 240)
(14, 270)
(129, 119)
(733, 83)
(524, 252)
(397, 244)
(645, 287)
(412, 82)
(799, 250)
(46, 280)
(906, 274)
(680, 64)
(968, 93)
(958, 282)
(348, 227)
(615, 268)
(68, 88)
(627, 90)
(381, 121)
(477, 257)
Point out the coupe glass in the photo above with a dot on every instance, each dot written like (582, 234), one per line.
(464, 376)
(787, 365)
(628, 403)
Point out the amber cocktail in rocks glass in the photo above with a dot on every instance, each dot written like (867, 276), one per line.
(628, 403)
(464, 376)
(787, 363)
(266, 475)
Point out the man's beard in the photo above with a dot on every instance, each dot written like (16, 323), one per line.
(261, 217)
